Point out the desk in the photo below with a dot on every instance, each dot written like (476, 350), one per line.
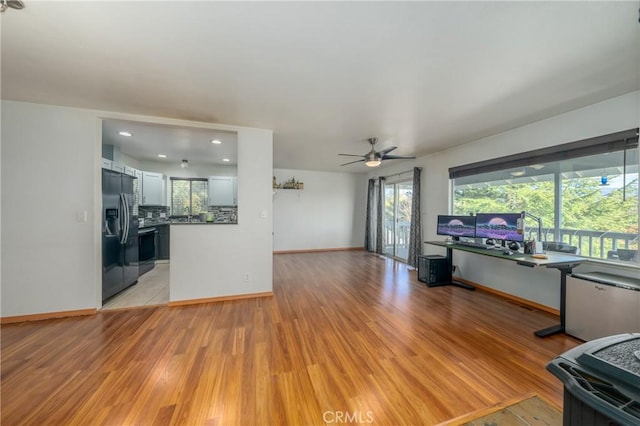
(562, 262)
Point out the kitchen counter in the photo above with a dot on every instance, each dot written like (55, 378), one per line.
(150, 223)
(202, 223)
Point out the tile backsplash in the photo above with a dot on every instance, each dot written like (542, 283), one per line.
(156, 212)
(224, 214)
(162, 213)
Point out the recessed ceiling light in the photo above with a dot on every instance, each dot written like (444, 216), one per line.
(162, 155)
(226, 159)
(125, 134)
(215, 141)
(517, 173)
(537, 166)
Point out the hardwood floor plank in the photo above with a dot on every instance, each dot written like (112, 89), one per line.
(347, 336)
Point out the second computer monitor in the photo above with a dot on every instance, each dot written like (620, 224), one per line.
(498, 226)
(456, 226)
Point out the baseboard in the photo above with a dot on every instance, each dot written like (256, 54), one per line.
(317, 250)
(219, 299)
(47, 315)
(511, 297)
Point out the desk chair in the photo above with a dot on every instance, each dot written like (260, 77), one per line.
(559, 247)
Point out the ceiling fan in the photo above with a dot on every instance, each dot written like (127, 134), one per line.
(374, 158)
(14, 4)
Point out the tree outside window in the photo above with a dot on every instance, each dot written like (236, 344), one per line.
(589, 202)
(189, 196)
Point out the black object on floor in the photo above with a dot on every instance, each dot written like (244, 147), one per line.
(601, 381)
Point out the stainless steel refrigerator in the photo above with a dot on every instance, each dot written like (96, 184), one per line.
(119, 233)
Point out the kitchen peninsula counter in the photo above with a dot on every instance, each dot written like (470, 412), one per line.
(149, 224)
(202, 223)
(153, 223)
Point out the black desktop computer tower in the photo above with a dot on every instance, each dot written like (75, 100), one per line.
(434, 270)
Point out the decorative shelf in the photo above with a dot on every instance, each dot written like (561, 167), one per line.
(290, 184)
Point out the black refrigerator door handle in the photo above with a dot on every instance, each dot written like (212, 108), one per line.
(123, 219)
(127, 217)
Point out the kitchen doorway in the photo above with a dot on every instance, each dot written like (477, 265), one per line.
(155, 156)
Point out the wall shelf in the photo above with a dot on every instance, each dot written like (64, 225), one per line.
(290, 184)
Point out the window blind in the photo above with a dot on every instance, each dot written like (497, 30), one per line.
(612, 142)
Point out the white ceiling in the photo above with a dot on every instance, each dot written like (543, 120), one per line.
(147, 141)
(327, 75)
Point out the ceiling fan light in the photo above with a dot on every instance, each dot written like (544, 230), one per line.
(373, 163)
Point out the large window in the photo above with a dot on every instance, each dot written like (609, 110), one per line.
(188, 196)
(586, 196)
(397, 218)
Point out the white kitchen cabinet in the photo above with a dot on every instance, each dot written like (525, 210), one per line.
(138, 185)
(117, 167)
(152, 189)
(222, 191)
(106, 164)
(595, 310)
(129, 171)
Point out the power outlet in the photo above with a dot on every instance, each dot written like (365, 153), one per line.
(246, 277)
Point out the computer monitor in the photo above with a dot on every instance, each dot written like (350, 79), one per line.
(499, 226)
(456, 226)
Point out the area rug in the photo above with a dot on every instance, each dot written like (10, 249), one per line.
(528, 410)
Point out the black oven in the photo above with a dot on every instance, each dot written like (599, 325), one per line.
(146, 249)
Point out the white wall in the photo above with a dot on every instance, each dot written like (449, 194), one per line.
(542, 286)
(328, 213)
(212, 260)
(192, 171)
(51, 175)
(49, 161)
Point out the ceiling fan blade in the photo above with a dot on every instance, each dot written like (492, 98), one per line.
(384, 151)
(351, 162)
(398, 157)
(352, 155)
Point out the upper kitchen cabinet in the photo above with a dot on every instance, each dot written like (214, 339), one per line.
(130, 171)
(138, 185)
(152, 189)
(117, 167)
(222, 191)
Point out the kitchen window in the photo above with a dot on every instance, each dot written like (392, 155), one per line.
(585, 192)
(189, 196)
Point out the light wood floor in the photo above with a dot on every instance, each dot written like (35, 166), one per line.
(346, 336)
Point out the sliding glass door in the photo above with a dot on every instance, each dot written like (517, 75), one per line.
(397, 218)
